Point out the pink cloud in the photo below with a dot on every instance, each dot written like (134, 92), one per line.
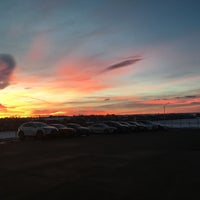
(38, 49)
(85, 74)
(79, 75)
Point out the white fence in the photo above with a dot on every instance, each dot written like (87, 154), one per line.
(182, 123)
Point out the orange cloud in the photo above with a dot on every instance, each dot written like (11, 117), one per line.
(3, 108)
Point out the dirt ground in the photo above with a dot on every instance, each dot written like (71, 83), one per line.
(161, 165)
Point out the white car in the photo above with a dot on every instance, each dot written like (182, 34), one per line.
(36, 129)
(102, 128)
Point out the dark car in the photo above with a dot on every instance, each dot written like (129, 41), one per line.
(160, 126)
(102, 128)
(131, 127)
(80, 130)
(120, 127)
(149, 125)
(139, 126)
(64, 130)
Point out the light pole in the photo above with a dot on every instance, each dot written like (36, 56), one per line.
(164, 106)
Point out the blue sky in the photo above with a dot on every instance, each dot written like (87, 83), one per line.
(61, 47)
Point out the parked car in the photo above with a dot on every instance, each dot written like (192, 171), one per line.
(64, 130)
(149, 125)
(35, 129)
(80, 130)
(120, 127)
(139, 126)
(161, 126)
(131, 127)
(102, 128)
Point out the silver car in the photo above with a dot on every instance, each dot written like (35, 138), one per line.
(102, 128)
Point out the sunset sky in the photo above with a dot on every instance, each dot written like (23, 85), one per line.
(71, 57)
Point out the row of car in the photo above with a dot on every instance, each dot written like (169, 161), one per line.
(40, 129)
(125, 127)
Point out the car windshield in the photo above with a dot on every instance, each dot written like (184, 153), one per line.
(58, 125)
(40, 124)
(74, 125)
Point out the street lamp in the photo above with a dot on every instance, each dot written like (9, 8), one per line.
(164, 106)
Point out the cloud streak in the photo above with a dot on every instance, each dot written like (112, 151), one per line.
(124, 63)
(7, 65)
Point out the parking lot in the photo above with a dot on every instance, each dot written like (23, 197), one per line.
(160, 165)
